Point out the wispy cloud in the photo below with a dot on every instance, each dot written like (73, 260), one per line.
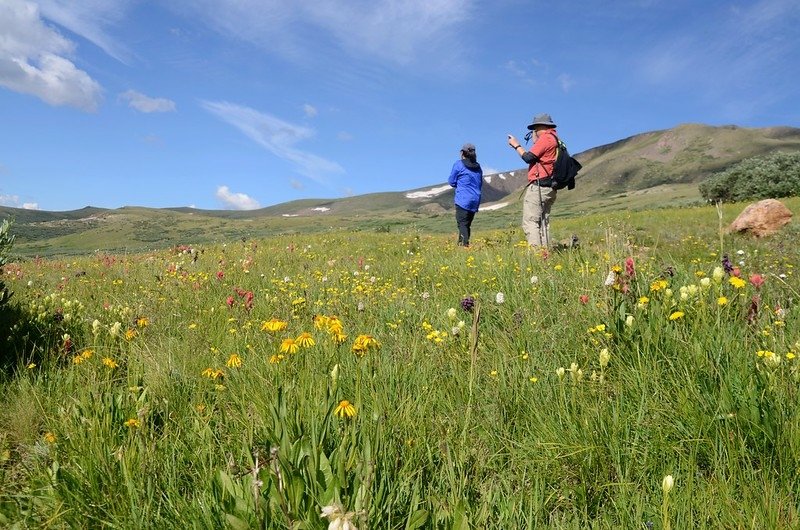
(89, 19)
(737, 63)
(531, 71)
(14, 202)
(296, 184)
(236, 201)
(142, 103)
(566, 81)
(276, 136)
(410, 31)
(35, 60)
(309, 110)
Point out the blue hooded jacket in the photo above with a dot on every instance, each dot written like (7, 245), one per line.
(467, 178)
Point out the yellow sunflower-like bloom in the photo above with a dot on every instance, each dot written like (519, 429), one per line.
(338, 338)
(305, 340)
(335, 325)
(321, 321)
(289, 346)
(133, 423)
(345, 409)
(273, 325)
(234, 361)
(211, 373)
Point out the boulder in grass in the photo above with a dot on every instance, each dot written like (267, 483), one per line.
(762, 218)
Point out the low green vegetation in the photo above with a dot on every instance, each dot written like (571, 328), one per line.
(6, 242)
(764, 177)
(646, 379)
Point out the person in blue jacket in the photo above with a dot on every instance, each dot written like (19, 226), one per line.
(467, 178)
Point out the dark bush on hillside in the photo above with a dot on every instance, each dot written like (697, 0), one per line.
(762, 177)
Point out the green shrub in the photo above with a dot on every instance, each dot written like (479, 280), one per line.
(6, 241)
(762, 177)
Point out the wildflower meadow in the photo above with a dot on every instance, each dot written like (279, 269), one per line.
(646, 379)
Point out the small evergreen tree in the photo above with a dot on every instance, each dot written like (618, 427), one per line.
(761, 177)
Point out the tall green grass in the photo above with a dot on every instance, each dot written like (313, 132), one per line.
(147, 391)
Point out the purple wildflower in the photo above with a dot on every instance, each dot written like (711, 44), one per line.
(467, 304)
(726, 264)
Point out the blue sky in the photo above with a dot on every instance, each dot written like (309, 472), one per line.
(237, 104)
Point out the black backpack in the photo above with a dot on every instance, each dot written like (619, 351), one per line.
(565, 167)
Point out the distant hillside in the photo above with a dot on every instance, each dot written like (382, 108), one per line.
(643, 171)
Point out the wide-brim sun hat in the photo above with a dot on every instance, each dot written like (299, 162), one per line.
(542, 119)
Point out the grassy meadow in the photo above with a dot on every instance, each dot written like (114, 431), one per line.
(396, 381)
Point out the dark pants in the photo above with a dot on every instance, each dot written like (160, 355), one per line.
(464, 221)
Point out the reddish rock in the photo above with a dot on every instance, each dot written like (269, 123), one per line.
(762, 218)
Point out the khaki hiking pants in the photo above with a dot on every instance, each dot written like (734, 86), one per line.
(536, 215)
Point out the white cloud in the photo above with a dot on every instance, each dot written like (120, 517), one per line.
(296, 184)
(87, 18)
(142, 103)
(9, 200)
(276, 136)
(236, 201)
(309, 110)
(14, 202)
(34, 59)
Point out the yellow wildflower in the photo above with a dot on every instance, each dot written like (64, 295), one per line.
(364, 343)
(49, 437)
(676, 315)
(133, 423)
(305, 340)
(212, 373)
(737, 282)
(142, 322)
(109, 362)
(276, 358)
(335, 325)
(234, 361)
(130, 334)
(321, 321)
(345, 409)
(722, 301)
(273, 325)
(289, 346)
(658, 285)
(338, 338)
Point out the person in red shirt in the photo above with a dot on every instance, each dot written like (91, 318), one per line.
(539, 193)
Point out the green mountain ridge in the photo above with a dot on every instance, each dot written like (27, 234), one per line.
(642, 171)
